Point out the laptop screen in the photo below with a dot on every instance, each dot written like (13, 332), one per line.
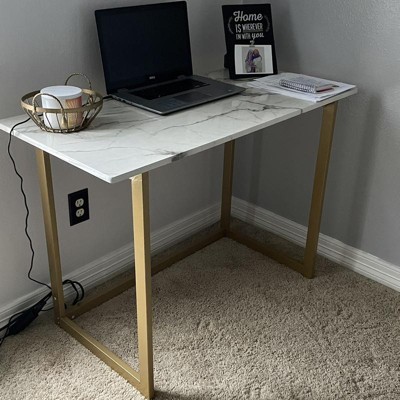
(141, 45)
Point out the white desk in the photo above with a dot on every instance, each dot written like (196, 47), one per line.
(126, 142)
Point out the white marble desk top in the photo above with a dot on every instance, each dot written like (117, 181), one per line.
(124, 141)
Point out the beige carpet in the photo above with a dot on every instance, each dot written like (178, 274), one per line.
(228, 324)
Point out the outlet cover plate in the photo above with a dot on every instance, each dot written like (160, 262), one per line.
(77, 202)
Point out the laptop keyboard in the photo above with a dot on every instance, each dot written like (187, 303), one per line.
(168, 89)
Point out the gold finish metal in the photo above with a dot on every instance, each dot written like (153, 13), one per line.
(69, 119)
(317, 201)
(101, 351)
(82, 76)
(93, 103)
(141, 232)
(227, 180)
(306, 267)
(50, 225)
(158, 266)
(270, 252)
(144, 380)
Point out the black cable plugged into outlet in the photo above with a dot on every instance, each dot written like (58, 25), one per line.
(19, 321)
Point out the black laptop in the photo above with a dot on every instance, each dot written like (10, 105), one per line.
(147, 60)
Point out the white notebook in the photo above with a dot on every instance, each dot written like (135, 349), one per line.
(272, 84)
(306, 84)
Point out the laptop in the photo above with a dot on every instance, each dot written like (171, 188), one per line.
(147, 60)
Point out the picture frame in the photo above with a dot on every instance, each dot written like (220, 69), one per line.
(253, 60)
(249, 40)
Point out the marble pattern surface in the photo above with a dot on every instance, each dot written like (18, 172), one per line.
(124, 141)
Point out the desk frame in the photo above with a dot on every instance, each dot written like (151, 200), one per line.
(143, 379)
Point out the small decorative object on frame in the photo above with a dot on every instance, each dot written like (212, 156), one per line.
(249, 40)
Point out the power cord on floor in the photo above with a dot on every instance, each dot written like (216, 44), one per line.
(19, 321)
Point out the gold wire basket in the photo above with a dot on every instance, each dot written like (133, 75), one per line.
(69, 120)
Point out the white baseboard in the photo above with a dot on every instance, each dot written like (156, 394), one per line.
(118, 261)
(359, 261)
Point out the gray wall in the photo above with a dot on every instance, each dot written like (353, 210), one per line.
(355, 41)
(41, 42)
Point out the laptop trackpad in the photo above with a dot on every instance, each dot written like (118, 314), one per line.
(192, 97)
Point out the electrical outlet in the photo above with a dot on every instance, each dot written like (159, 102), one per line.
(80, 212)
(78, 203)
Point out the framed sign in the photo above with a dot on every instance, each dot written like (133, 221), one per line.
(249, 40)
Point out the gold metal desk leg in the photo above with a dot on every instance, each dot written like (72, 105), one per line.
(227, 180)
(143, 380)
(317, 201)
(50, 225)
(141, 229)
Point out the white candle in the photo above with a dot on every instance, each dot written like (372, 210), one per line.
(69, 97)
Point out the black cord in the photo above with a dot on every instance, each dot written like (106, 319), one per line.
(25, 203)
(7, 327)
(21, 320)
(79, 297)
